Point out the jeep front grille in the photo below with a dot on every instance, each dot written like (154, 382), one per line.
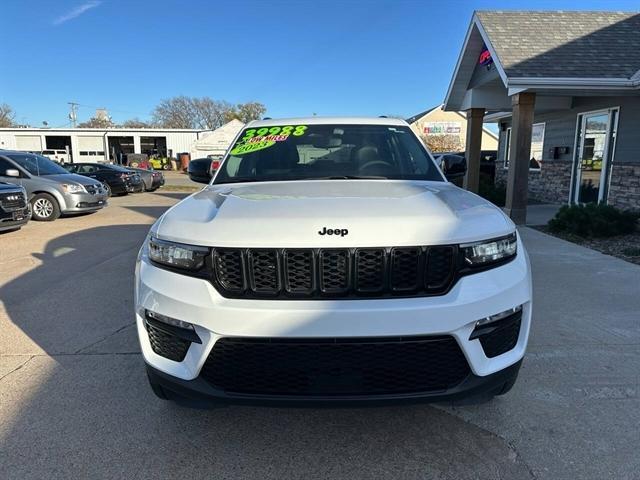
(334, 273)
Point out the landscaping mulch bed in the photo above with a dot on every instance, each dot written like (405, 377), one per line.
(626, 247)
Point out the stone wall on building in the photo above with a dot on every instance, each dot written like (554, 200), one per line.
(552, 183)
(624, 189)
(549, 184)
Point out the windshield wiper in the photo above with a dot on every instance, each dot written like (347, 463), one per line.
(291, 179)
(240, 180)
(347, 177)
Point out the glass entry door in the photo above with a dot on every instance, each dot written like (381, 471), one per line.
(596, 136)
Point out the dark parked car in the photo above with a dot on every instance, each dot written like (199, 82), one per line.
(487, 162)
(202, 169)
(14, 207)
(152, 179)
(118, 180)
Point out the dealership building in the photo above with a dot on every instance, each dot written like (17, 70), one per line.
(439, 123)
(564, 90)
(98, 145)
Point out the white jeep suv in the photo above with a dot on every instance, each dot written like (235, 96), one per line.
(330, 260)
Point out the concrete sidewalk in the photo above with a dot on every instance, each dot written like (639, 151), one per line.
(540, 214)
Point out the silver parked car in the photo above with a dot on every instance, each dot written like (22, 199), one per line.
(52, 190)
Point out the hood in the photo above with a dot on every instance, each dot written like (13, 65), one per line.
(68, 178)
(9, 187)
(291, 214)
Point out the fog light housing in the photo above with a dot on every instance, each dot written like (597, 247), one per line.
(174, 322)
(498, 333)
(169, 337)
(498, 316)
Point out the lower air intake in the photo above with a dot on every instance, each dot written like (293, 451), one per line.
(335, 366)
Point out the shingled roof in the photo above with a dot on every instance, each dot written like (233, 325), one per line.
(552, 49)
(565, 44)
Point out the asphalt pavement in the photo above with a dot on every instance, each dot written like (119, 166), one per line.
(74, 400)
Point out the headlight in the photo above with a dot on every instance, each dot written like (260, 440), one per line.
(73, 188)
(177, 255)
(488, 252)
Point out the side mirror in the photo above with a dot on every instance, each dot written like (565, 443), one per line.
(12, 172)
(199, 179)
(453, 166)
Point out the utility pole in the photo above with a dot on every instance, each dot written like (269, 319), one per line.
(73, 114)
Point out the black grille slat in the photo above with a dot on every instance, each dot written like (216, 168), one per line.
(405, 269)
(299, 271)
(335, 366)
(439, 268)
(334, 273)
(370, 270)
(228, 266)
(264, 275)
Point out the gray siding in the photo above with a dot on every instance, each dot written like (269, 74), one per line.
(560, 127)
(552, 182)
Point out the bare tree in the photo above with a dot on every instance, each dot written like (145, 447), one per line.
(211, 114)
(204, 113)
(245, 112)
(7, 116)
(443, 143)
(136, 123)
(95, 122)
(176, 112)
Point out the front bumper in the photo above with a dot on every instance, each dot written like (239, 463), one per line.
(135, 187)
(214, 317)
(199, 390)
(14, 218)
(83, 202)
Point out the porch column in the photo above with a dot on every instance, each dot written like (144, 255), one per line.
(475, 119)
(519, 156)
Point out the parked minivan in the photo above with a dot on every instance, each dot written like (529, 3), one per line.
(51, 190)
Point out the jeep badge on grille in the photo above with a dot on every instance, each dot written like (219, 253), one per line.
(333, 231)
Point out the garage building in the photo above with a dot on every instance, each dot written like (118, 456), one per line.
(96, 144)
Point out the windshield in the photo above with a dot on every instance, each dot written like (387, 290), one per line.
(297, 152)
(37, 164)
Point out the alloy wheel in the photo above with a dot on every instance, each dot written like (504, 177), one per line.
(43, 208)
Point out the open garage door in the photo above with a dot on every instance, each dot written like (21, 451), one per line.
(119, 148)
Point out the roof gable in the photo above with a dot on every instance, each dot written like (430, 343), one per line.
(564, 44)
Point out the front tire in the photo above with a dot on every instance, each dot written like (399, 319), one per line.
(44, 208)
(107, 189)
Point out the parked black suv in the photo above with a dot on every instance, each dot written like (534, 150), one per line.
(117, 179)
(14, 208)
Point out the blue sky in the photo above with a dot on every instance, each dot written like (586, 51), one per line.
(297, 57)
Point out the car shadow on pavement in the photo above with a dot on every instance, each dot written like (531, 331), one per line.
(83, 407)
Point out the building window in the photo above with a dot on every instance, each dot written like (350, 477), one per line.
(537, 146)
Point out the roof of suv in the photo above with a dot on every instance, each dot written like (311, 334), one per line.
(4, 152)
(329, 121)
